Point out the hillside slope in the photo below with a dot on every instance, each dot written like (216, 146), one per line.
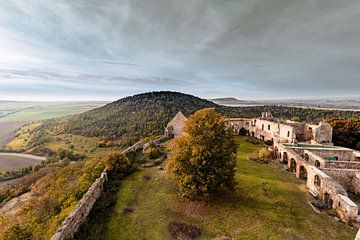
(132, 118)
(140, 115)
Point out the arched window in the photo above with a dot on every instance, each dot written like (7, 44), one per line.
(317, 181)
(317, 163)
(306, 157)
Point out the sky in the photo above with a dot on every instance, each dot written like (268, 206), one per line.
(249, 49)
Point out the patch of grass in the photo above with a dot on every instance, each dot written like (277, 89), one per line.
(268, 203)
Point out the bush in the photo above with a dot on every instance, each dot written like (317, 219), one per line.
(181, 230)
(153, 152)
(262, 156)
(17, 232)
(253, 140)
(117, 164)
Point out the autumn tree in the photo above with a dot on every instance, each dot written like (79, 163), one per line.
(346, 132)
(202, 161)
(117, 164)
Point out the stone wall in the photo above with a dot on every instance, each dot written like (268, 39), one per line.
(155, 142)
(342, 154)
(348, 178)
(330, 191)
(327, 189)
(72, 222)
(342, 164)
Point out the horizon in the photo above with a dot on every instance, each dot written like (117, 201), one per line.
(207, 98)
(250, 50)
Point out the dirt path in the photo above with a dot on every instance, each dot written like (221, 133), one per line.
(23, 155)
(12, 206)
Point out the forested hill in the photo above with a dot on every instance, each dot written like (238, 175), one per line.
(148, 113)
(140, 115)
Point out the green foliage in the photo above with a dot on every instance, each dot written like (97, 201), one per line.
(203, 160)
(261, 156)
(17, 232)
(57, 194)
(346, 132)
(153, 152)
(117, 164)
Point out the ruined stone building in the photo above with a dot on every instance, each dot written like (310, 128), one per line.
(268, 128)
(332, 173)
(175, 127)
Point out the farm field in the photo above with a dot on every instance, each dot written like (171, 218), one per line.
(40, 111)
(14, 161)
(8, 130)
(268, 203)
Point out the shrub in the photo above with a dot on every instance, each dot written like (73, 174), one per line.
(153, 152)
(262, 156)
(117, 164)
(253, 140)
(181, 230)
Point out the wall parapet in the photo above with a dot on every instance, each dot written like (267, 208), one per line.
(73, 221)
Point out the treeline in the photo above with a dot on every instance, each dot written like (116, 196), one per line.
(143, 115)
(346, 132)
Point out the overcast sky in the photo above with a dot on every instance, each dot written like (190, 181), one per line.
(249, 49)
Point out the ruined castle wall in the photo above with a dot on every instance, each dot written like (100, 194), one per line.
(286, 133)
(72, 222)
(323, 133)
(341, 154)
(155, 142)
(342, 164)
(343, 205)
(349, 179)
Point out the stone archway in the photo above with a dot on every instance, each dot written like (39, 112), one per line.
(285, 158)
(328, 201)
(317, 181)
(302, 173)
(292, 165)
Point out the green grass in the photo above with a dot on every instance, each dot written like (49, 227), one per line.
(268, 203)
(37, 113)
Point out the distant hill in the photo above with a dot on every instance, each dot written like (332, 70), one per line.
(229, 101)
(352, 104)
(147, 114)
(140, 115)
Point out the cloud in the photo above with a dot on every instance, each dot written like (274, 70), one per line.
(247, 49)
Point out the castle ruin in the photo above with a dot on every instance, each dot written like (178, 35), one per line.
(331, 173)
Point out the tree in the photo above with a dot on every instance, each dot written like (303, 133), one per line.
(346, 132)
(202, 161)
(117, 164)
